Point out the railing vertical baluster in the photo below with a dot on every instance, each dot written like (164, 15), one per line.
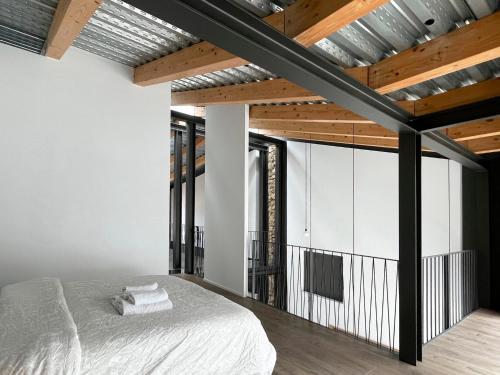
(388, 308)
(440, 294)
(435, 297)
(450, 290)
(346, 325)
(426, 299)
(353, 262)
(382, 307)
(376, 304)
(361, 282)
(253, 268)
(395, 309)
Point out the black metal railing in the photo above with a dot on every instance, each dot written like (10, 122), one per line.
(199, 251)
(350, 293)
(449, 290)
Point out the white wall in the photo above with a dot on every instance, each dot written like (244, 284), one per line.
(84, 169)
(372, 195)
(226, 197)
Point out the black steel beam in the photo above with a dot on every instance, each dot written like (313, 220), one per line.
(238, 31)
(183, 129)
(177, 216)
(264, 140)
(463, 114)
(410, 253)
(190, 198)
(188, 118)
(442, 144)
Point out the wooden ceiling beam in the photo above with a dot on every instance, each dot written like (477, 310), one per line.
(70, 18)
(462, 48)
(200, 141)
(309, 21)
(464, 95)
(330, 128)
(306, 21)
(334, 113)
(271, 91)
(200, 162)
(481, 129)
(307, 113)
(282, 91)
(483, 145)
(329, 138)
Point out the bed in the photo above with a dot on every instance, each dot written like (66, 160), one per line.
(53, 327)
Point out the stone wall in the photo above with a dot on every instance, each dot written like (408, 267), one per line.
(271, 202)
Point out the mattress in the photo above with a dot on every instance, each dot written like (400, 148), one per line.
(204, 333)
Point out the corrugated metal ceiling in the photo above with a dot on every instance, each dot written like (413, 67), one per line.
(122, 33)
(130, 36)
(25, 23)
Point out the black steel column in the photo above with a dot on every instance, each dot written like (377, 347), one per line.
(190, 198)
(281, 220)
(410, 254)
(177, 216)
(263, 244)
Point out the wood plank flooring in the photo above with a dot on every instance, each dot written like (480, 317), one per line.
(471, 347)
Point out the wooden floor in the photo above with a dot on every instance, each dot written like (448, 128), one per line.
(471, 347)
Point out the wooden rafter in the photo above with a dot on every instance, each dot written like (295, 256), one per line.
(481, 129)
(282, 91)
(322, 122)
(334, 113)
(464, 95)
(462, 48)
(483, 145)
(200, 141)
(331, 128)
(306, 113)
(480, 143)
(334, 138)
(306, 21)
(459, 49)
(70, 18)
(273, 91)
(200, 162)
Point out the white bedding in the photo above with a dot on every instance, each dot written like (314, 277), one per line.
(37, 333)
(203, 334)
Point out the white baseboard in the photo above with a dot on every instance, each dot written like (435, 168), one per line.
(223, 287)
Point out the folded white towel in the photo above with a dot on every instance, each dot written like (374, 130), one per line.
(150, 296)
(141, 288)
(126, 308)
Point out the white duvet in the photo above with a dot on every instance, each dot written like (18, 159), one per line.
(203, 334)
(37, 332)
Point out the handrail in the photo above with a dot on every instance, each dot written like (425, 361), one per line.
(445, 254)
(325, 250)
